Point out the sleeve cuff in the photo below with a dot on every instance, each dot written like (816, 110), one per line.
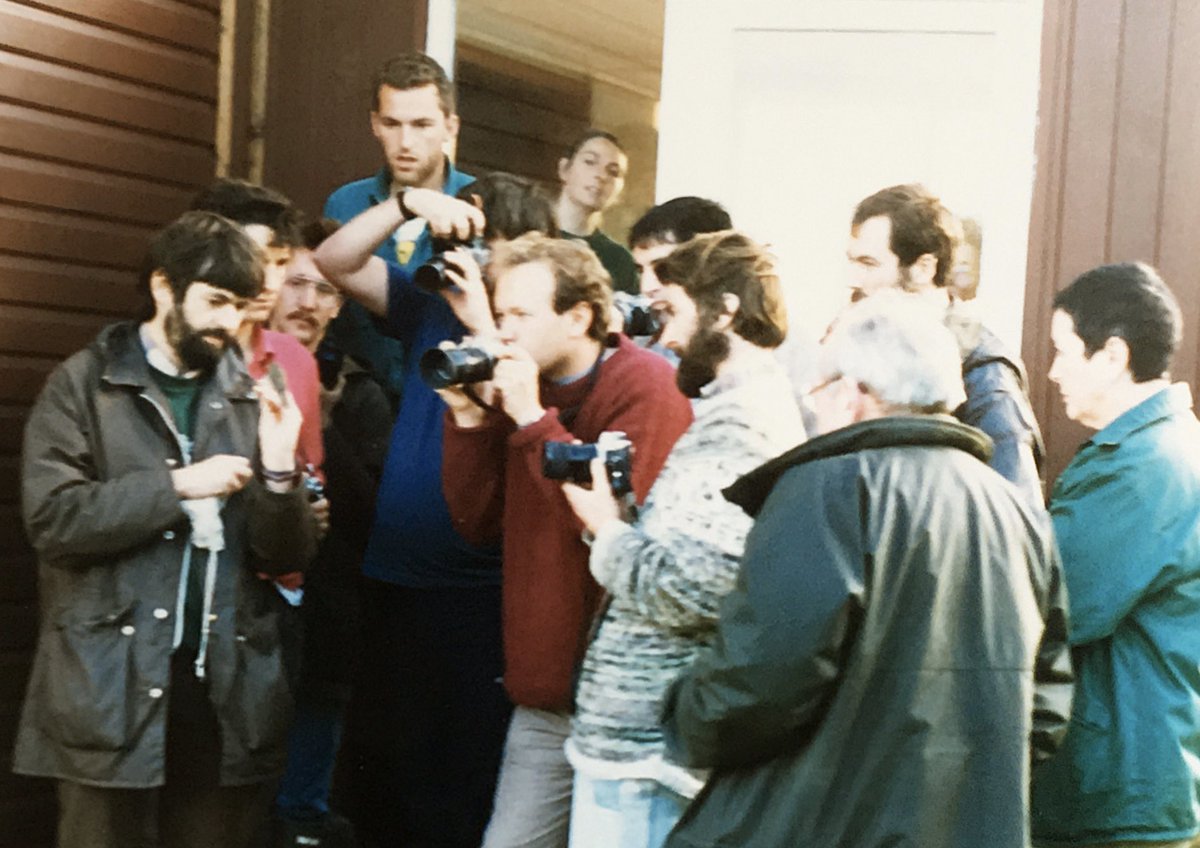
(603, 562)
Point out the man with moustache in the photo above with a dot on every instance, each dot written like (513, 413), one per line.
(355, 422)
(560, 377)
(902, 238)
(157, 480)
(414, 120)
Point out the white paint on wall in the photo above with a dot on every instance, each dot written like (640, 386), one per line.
(791, 111)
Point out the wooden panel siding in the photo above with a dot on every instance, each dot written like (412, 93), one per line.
(107, 116)
(516, 117)
(1118, 151)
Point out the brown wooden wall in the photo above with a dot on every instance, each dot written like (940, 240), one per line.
(1118, 151)
(516, 117)
(107, 111)
(322, 55)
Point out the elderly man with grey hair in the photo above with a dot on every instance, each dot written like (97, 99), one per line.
(892, 661)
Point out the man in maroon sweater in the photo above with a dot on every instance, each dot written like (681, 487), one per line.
(559, 377)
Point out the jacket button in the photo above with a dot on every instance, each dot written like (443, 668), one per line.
(155, 692)
(168, 535)
(128, 630)
(172, 462)
(216, 404)
(160, 613)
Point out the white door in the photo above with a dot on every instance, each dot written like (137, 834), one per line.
(791, 111)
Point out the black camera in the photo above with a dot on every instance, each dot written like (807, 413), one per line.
(640, 317)
(432, 275)
(567, 461)
(456, 366)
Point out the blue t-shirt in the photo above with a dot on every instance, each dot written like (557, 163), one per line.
(355, 331)
(413, 541)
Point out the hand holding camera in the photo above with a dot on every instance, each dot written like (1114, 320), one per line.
(456, 273)
(447, 217)
(609, 458)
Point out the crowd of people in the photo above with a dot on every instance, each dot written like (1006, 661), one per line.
(394, 527)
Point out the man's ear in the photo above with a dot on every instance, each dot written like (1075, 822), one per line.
(452, 125)
(730, 305)
(161, 293)
(1116, 352)
(923, 270)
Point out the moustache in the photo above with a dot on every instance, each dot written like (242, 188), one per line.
(306, 317)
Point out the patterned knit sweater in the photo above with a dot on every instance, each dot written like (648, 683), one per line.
(667, 574)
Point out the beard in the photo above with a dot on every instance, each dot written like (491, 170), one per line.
(698, 361)
(198, 350)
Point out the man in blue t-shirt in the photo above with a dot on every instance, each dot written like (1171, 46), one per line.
(427, 724)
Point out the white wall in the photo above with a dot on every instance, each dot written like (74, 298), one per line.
(790, 111)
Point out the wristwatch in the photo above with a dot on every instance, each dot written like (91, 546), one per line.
(405, 212)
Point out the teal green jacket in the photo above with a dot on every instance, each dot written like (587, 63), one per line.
(1127, 515)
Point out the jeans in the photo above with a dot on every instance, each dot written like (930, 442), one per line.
(312, 750)
(623, 813)
(533, 797)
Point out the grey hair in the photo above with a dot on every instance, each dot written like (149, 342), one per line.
(894, 347)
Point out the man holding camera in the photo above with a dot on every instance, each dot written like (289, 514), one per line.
(428, 719)
(558, 377)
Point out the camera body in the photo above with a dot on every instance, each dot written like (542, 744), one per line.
(431, 276)
(442, 367)
(640, 317)
(568, 461)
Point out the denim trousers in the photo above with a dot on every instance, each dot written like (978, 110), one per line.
(623, 813)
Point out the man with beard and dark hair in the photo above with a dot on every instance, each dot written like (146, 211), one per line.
(666, 572)
(559, 377)
(903, 238)
(157, 480)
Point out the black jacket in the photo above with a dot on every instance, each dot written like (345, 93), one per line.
(873, 679)
(102, 513)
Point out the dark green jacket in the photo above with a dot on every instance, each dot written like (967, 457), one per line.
(872, 684)
(1127, 515)
(101, 511)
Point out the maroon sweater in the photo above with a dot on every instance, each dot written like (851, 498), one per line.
(492, 478)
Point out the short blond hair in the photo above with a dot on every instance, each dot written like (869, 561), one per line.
(578, 275)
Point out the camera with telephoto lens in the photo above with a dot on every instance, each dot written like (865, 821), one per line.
(567, 461)
(640, 317)
(442, 367)
(432, 275)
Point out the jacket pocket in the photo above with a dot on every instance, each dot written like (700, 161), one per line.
(260, 694)
(89, 670)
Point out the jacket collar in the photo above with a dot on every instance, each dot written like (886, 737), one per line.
(893, 431)
(381, 188)
(1172, 400)
(120, 349)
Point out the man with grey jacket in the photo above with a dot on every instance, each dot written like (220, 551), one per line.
(158, 481)
(893, 657)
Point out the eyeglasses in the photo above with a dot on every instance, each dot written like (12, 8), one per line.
(324, 290)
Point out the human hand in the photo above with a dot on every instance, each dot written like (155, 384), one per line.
(468, 297)
(595, 507)
(516, 381)
(279, 422)
(447, 217)
(216, 476)
(320, 513)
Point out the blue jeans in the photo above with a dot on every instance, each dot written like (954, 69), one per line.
(623, 813)
(312, 751)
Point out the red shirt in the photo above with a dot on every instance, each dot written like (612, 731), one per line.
(492, 478)
(300, 370)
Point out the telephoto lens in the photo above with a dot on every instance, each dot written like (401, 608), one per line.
(442, 367)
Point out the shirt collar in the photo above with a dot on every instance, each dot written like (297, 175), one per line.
(158, 359)
(454, 180)
(262, 347)
(1171, 400)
